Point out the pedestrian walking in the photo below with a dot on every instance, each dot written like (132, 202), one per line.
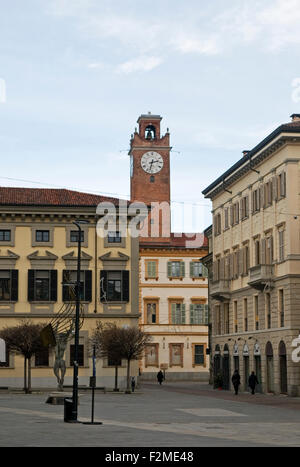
(160, 377)
(133, 384)
(236, 381)
(253, 381)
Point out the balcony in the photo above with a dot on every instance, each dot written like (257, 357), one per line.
(220, 290)
(261, 275)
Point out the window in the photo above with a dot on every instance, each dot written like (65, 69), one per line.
(5, 349)
(42, 235)
(74, 236)
(114, 237)
(257, 252)
(236, 264)
(245, 314)
(255, 200)
(177, 313)
(199, 314)
(42, 357)
(42, 285)
(85, 289)
(281, 245)
(176, 355)
(256, 314)
(5, 235)
(281, 308)
(244, 207)
(235, 213)
(218, 319)
(199, 354)
(217, 224)
(226, 218)
(226, 318)
(114, 286)
(151, 269)
(269, 250)
(80, 360)
(268, 194)
(268, 310)
(282, 185)
(151, 312)
(197, 269)
(246, 260)
(4, 285)
(151, 354)
(176, 269)
(9, 285)
(235, 317)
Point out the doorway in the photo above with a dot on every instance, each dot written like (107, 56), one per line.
(270, 367)
(283, 368)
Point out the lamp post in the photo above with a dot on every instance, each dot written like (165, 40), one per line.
(77, 318)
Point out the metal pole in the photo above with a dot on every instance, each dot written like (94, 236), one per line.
(76, 339)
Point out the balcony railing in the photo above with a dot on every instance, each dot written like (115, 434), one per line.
(220, 290)
(261, 275)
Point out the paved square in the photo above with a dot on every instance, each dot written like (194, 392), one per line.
(173, 415)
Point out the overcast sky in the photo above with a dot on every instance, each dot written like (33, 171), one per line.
(76, 74)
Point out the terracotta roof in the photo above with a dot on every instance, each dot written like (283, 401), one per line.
(179, 240)
(50, 197)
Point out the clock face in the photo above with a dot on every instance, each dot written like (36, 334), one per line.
(152, 162)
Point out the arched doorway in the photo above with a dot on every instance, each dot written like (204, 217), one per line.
(236, 357)
(257, 363)
(217, 364)
(270, 367)
(226, 368)
(283, 368)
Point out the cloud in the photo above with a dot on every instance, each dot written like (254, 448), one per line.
(142, 64)
(188, 45)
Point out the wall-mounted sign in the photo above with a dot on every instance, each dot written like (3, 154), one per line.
(2, 351)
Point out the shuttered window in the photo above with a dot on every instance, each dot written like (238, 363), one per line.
(114, 286)
(151, 270)
(85, 289)
(9, 285)
(42, 285)
(177, 313)
(199, 314)
(176, 269)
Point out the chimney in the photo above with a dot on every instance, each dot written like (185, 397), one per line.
(295, 117)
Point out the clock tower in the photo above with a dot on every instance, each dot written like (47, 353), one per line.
(150, 168)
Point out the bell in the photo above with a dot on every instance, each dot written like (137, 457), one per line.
(149, 134)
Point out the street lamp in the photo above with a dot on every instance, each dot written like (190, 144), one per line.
(77, 318)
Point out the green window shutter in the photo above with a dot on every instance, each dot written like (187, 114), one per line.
(173, 313)
(182, 313)
(151, 269)
(169, 269)
(191, 270)
(182, 269)
(206, 314)
(192, 312)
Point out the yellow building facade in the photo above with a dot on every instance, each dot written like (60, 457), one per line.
(38, 251)
(255, 286)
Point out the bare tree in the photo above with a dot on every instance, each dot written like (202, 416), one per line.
(118, 343)
(24, 339)
(134, 342)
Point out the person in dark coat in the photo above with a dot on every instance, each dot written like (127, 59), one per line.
(160, 377)
(236, 381)
(253, 381)
(132, 384)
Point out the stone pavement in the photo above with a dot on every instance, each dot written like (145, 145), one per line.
(173, 415)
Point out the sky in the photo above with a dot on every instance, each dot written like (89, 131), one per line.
(75, 75)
